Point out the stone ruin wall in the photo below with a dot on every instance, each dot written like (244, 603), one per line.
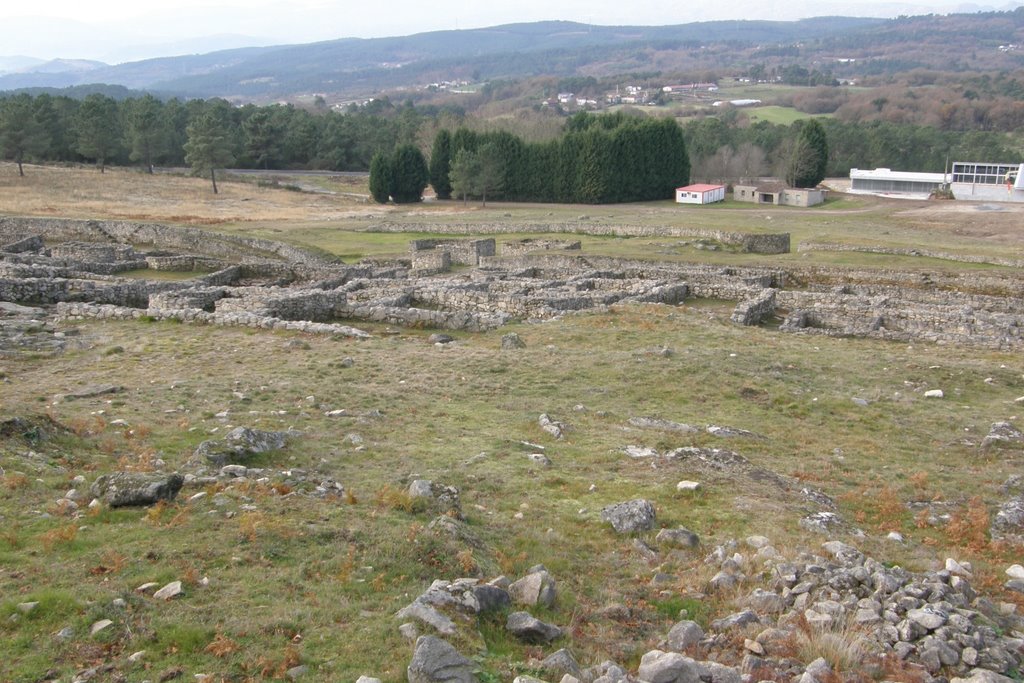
(185, 239)
(516, 248)
(462, 252)
(762, 243)
(972, 308)
(915, 251)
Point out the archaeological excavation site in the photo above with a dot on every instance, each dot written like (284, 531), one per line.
(505, 455)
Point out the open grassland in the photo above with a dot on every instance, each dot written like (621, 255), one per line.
(780, 115)
(275, 577)
(295, 578)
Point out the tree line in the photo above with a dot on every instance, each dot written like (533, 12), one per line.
(148, 131)
(598, 159)
(586, 158)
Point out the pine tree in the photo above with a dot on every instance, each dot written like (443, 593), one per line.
(380, 178)
(409, 175)
(440, 165)
(808, 157)
(21, 134)
(147, 130)
(209, 145)
(490, 177)
(465, 171)
(97, 129)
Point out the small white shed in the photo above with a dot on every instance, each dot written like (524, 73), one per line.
(700, 194)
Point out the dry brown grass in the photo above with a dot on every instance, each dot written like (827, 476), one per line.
(61, 535)
(130, 194)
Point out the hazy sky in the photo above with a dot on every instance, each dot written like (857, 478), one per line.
(121, 30)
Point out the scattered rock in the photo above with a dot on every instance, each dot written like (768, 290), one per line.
(736, 620)
(677, 538)
(429, 615)
(562, 663)
(441, 498)
(687, 485)
(640, 452)
(1002, 434)
(536, 588)
(530, 629)
(297, 672)
(440, 338)
(552, 427)
(512, 341)
(436, 661)
(630, 516)
(122, 489)
(1015, 571)
(99, 626)
(171, 590)
(667, 667)
(1008, 522)
(663, 425)
(684, 635)
(824, 523)
(934, 393)
(240, 444)
(91, 392)
(540, 460)
(730, 432)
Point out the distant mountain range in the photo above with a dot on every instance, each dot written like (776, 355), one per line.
(361, 67)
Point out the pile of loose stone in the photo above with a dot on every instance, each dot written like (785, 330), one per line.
(923, 626)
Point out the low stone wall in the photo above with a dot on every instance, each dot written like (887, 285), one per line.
(81, 311)
(92, 252)
(755, 243)
(31, 243)
(461, 252)
(527, 246)
(190, 240)
(893, 318)
(755, 311)
(184, 264)
(42, 291)
(431, 262)
(915, 251)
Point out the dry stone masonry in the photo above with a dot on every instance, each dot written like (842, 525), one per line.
(474, 284)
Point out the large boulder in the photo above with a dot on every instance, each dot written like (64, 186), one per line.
(630, 516)
(536, 588)
(122, 489)
(684, 634)
(239, 444)
(529, 629)
(436, 661)
(668, 667)
(1008, 522)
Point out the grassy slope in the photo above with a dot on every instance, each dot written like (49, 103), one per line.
(300, 579)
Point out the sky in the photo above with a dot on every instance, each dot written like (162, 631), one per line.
(115, 31)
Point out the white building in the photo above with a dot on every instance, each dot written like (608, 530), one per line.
(887, 183)
(700, 194)
(988, 182)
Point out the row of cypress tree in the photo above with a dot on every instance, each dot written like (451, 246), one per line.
(600, 159)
